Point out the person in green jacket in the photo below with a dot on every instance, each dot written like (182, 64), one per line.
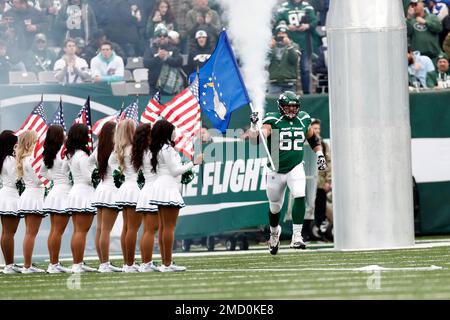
(301, 20)
(440, 78)
(423, 30)
(283, 67)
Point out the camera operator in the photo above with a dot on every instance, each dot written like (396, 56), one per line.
(164, 63)
(283, 55)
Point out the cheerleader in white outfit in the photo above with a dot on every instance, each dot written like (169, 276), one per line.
(166, 190)
(81, 194)
(141, 161)
(105, 195)
(128, 194)
(32, 199)
(56, 169)
(9, 199)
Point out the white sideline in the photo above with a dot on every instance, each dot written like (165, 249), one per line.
(370, 268)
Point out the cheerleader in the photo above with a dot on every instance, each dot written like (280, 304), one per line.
(141, 156)
(80, 196)
(105, 195)
(128, 193)
(166, 190)
(56, 169)
(9, 200)
(32, 199)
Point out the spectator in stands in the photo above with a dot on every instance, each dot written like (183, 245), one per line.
(102, 15)
(418, 67)
(283, 55)
(71, 68)
(81, 46)
(423, 30)
(301, 19)
(124, 28)
(201, 53)
(51, 8)
(76, 19)
(40, 58)
(445, 29)
(162, 14)
(438, 8)
(164, 63)
(321, 68)
(92, 49)
(5, 63)
(137, 8)
(440, 78)
(26, 23)
(446, 45)
(201, 17)
(180, 8)
(107, 66)
(8, 63)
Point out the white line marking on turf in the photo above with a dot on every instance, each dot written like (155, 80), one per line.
(362, 269)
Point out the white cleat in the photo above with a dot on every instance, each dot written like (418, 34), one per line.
(148, 267)
(32, 269)
(58, 268)
(172, 268)
(107, 267)
(131, 269)
(297, 241)
(81, 268)
(274, 241)
(12, 269)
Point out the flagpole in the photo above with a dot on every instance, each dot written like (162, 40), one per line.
(261, 134)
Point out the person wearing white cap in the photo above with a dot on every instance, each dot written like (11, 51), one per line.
(201, 53)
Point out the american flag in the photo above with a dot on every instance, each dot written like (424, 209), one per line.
(100, 123)
(131, 112)
(84, 117)
(37, 121)
(152, 112)
(58, 117)
(183, 111)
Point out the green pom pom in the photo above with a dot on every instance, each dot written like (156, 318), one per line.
(141, 179)
(187, 177)
(20, 185)
(95, 178)
(47, 190)
(119, 177)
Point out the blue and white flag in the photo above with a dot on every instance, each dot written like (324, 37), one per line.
(58, 117)
(221, 88)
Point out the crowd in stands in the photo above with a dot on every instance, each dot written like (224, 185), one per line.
(95, 40)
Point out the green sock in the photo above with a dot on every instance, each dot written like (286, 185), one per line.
(298, 211)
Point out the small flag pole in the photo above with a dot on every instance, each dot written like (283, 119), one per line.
(264, 141)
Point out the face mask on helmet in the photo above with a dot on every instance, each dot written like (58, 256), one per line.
(289, 104)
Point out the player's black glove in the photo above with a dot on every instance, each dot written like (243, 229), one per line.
(321, 162)
(254, 117)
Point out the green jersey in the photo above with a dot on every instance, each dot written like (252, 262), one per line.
(287, 139)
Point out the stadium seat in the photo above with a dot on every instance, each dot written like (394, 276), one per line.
(140, 74)
(19, 77)
(119, 88)
(137, 88)
(47, 77)
(128, 76)
(134, 63)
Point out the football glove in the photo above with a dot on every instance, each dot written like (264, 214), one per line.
(254, 117)
(321, 163)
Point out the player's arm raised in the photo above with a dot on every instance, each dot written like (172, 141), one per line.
(314, 143)
(254, 132)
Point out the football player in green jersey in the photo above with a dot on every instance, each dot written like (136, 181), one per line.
(286, 132)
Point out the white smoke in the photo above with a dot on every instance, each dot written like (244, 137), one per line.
(249, 28)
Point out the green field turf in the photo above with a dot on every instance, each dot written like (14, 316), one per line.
(256, 275)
